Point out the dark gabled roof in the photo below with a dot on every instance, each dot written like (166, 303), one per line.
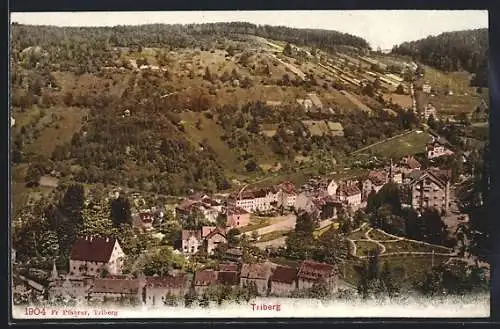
(205, 277)
(170, 281)
(284, 274)
(116, 286)
(435, 175)
(228, 277)
(93, 249)
(310, 270)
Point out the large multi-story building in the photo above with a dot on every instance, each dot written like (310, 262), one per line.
(93, 255)
(428, 189)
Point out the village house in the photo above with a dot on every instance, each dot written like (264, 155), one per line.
(428, 189)
(207, 238)
(48, 181)
(409, 164)
(288, 195)
(426, 88)
(191, 241)
(233, 254)
(306, 103)
(93, 255)
(237, 217)
(258, 273)
(72, 287)
(438, 148)
(305, 202)
(111, 288)
(336, 128)
(283, 281)
(214, 239)
(332, 187)
(205, 208)
(316, 102)
(203, 279)
(350, 194)
(311, 272)
(374, 182)
(430, 110)
(328, 207)
(143, 221)
(157, 288)
(228, 278)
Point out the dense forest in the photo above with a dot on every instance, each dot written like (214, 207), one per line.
(452, 51)
(176, 36)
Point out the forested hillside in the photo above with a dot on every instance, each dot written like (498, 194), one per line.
(177, 36)
(452, 51)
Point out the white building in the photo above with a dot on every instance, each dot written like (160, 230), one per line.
(92, 255)
(426, 88)
(429, 110)
(437, 148)
(332, 188)
(258, 200)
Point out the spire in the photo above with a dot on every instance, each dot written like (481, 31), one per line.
(54, 274)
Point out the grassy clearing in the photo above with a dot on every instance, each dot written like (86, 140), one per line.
(379, 235)
(411, 143)
(256, 224)
(402, 100)
(364, 247)
(457, 81)
(319, 232)
(273, 235)
(410, 269)
(58, 131)
(211, 132)
(454, 104)
(408, 246)
(358, 234)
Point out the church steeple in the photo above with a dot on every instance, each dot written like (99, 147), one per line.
(54, 275)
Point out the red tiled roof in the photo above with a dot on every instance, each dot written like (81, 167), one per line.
(170, 281)
(378, 177)
(116, 286)
(288, 187)
(284, 274)
(310, 270)
(205, 277)
(93, 249)
(349, 190)
(228, 277)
